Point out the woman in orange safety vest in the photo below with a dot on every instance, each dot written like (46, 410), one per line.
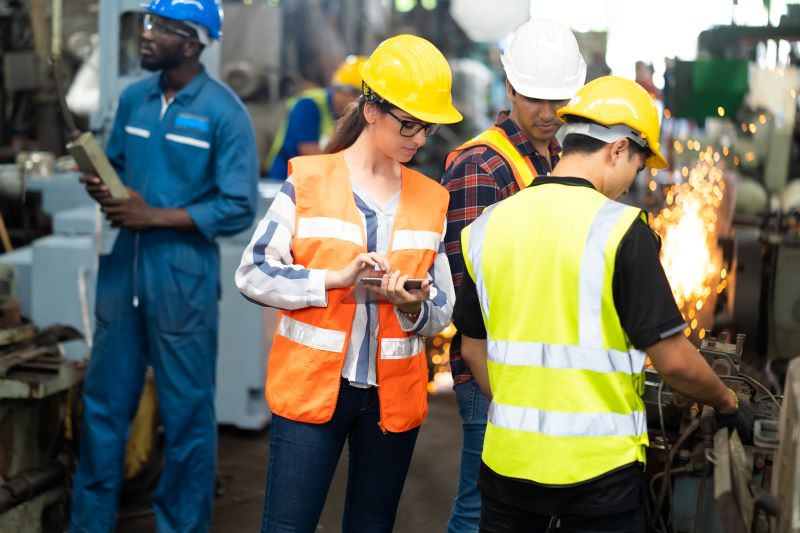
(342, 366)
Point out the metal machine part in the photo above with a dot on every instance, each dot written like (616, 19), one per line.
(784, 323)
(251, 54)
(66, 294)
(787, 461)
(36, 417)
(686, 467)
(764, 293)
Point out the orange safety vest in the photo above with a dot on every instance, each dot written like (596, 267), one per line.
(310, 344)
(496, 139)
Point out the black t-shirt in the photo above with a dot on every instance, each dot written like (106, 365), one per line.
(648, 314)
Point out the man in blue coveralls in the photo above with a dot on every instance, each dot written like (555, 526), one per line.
(184, 146)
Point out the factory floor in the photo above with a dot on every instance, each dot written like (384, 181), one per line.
(424, 506)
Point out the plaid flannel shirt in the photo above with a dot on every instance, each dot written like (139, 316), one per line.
(476, 179)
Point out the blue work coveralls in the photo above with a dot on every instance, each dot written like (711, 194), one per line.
(157, 298)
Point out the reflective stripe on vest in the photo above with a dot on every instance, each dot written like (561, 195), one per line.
(416, 240)
(567, 405)
(556, 424)
(402, 348)
(333, 341)
(496, 139)
(320, 98)
(328, 228)
(560, 356)
(310, 344)
(319, 338)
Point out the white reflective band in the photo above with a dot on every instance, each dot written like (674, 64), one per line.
(607, 134)
(477, 232)
(593, 270)
(561, 424)
(319, 338)
(329, 228)
(405, 239)
(191, 141)
(402, 348)
(139, 132)
(562, 356)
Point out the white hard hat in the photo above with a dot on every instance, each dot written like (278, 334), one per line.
(543, 61)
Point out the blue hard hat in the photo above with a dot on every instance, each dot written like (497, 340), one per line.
(205, 13)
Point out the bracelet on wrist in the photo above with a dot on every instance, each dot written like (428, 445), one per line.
(411, 316)
(735, 398)
(735, 402)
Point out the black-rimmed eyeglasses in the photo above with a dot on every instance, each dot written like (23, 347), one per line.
(155, 25)
(409, 128)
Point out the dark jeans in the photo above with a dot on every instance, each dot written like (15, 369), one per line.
(303, 458)
(500, 517)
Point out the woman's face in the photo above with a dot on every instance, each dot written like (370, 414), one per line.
(397, 134)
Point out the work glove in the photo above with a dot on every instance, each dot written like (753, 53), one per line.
(740, 419)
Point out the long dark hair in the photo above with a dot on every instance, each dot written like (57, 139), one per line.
(351, 124)
(348, 127)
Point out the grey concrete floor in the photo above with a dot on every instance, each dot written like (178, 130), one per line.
(424, 505)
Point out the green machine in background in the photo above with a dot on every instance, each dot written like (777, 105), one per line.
(702, 87)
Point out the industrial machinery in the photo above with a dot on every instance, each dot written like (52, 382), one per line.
(79, 234)
(727, 212)
(53, 282)
(37, 417)
(734, 112)
(702, 478)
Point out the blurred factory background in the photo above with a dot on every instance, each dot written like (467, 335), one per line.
(724, 73)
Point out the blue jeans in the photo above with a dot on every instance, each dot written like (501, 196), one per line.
(303, 458)
(473, 407)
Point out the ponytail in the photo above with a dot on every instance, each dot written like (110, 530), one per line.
(348, 128)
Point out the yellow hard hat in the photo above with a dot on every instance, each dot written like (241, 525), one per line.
(347, 75)
(412, 74)
(610, 101)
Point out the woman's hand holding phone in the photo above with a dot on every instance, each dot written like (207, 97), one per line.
(358, 268)
(393, 289)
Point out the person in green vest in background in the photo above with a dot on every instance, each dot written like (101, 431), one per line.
(311, 115)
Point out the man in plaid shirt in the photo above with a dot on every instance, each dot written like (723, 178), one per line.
(544, 69)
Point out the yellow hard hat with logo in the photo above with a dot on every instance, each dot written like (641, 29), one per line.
(412, 74)
(347, 74)
(613, 101)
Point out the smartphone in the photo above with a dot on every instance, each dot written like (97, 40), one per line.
(409, 285)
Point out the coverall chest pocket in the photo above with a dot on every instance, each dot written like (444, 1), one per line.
(137, 139)
(189, 154)
(186, 298)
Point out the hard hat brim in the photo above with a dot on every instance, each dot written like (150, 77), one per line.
(656, 160)
(448, 115)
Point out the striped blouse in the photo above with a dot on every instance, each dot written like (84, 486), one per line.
(268, 275)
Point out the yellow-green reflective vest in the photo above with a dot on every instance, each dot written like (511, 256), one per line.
(496, 139)
(566, 380)
(320, 97)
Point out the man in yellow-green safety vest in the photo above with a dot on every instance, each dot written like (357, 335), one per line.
(564, 299)
(544, 68)
(311, 115)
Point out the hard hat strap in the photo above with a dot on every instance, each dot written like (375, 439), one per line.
(608, 134)
(370, 96)
(202, 33)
